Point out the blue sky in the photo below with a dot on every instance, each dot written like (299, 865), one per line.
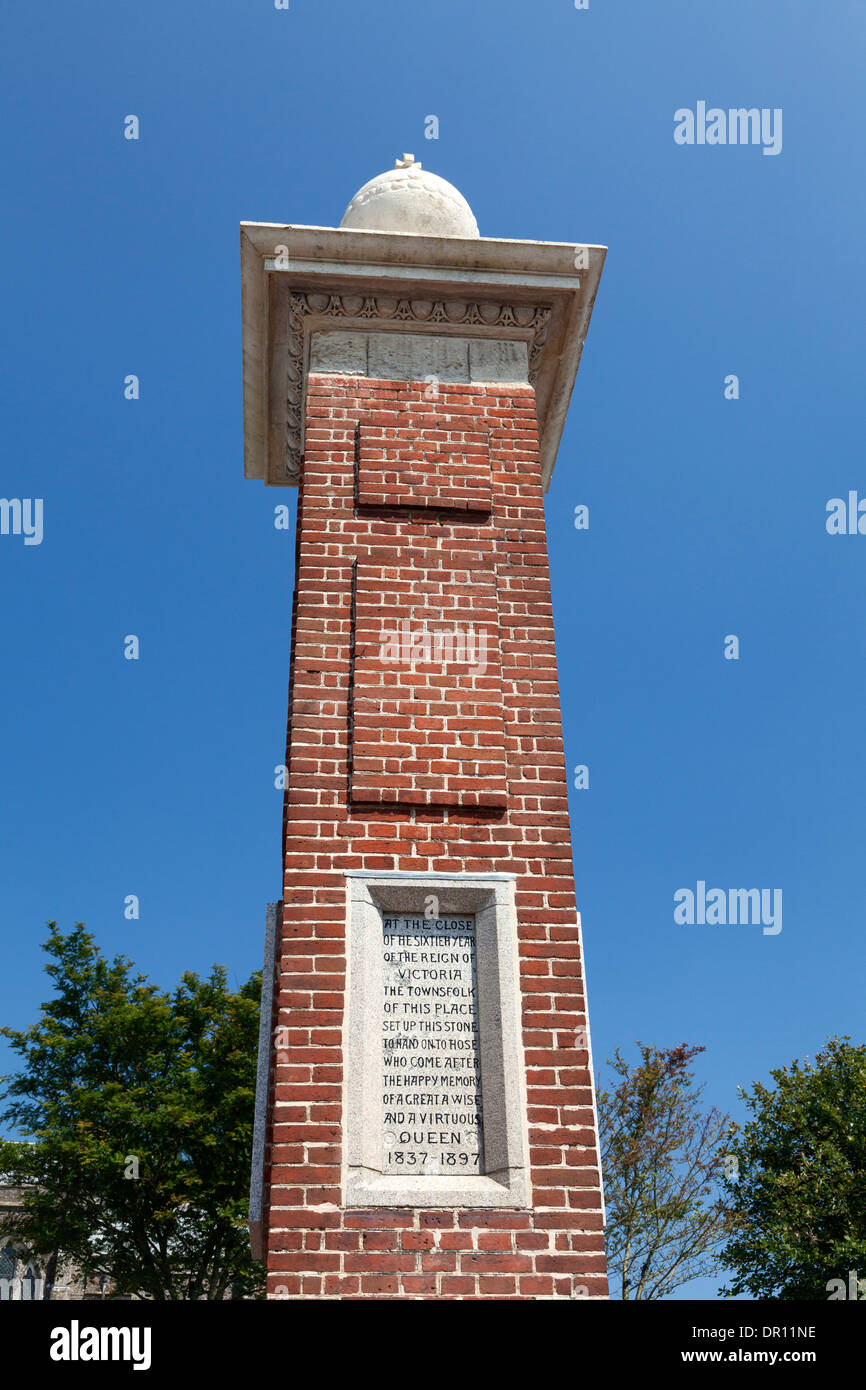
(707, 516)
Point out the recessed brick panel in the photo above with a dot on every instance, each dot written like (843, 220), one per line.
(427, 701)
(433, 462)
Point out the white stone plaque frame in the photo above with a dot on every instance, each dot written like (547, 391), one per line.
(506, 1180)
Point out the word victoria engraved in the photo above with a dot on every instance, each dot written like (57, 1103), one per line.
(431, 1073)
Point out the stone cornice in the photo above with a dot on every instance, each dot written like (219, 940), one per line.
(298, 279)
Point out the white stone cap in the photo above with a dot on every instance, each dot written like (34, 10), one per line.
(411, 200)
(338, 267)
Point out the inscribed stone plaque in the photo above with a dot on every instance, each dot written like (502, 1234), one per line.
(431, 1098)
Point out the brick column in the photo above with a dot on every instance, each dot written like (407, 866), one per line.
(425, 1119)
(421, 508)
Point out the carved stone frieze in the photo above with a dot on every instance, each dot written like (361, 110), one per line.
(528, 321)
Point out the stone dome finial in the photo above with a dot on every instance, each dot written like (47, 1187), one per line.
(409, 199)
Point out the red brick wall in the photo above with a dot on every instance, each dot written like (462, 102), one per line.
(422, 465)
(317, 1249)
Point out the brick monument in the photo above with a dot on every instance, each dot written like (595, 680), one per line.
(425, 1116)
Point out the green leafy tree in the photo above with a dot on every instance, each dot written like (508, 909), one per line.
(136, 1108)
(800, 1192)
(662, 1158)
